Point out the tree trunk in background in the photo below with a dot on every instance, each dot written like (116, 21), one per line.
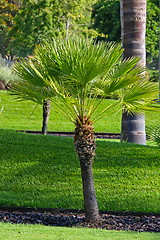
(133, 128)
(46, 112)
(84, 141)
(133, 29)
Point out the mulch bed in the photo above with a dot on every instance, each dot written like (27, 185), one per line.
(71, 218)
(71, 134)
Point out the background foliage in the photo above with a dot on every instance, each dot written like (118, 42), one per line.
(106, 20)
(26, 23)
(8, 10)
(38, 20)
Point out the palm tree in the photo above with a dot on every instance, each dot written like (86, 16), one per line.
(33, 91)
(133, 29)
(76, 73)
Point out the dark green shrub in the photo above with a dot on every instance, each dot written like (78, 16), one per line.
(154, 75)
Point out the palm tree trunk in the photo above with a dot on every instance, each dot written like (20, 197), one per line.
(133, 29)
(46, 112)
(84, 141)
(133, 128)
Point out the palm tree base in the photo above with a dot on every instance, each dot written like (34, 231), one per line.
(133, 129)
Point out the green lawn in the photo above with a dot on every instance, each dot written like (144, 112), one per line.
(27, 115)
(43, 171)
(38, 232)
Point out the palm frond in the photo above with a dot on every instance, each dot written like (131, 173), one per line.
(139, 96)
(29, 71)
(78, 71)
(123, 74)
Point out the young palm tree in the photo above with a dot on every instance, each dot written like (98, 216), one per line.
(74, 74)
(32, 90)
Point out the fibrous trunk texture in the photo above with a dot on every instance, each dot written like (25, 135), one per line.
(46, 112)
(84, 141)
(133, 30)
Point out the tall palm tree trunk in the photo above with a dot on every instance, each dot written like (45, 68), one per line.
(133, 29)
(84, 141)
(46, 112)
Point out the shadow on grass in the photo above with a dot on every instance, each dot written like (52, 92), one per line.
(43, 171)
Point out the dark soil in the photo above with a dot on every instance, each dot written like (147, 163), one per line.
(71, 134)
(137, 222)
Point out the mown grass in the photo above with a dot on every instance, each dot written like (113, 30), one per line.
(38, 232)
(43, 171)
(27, 115)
